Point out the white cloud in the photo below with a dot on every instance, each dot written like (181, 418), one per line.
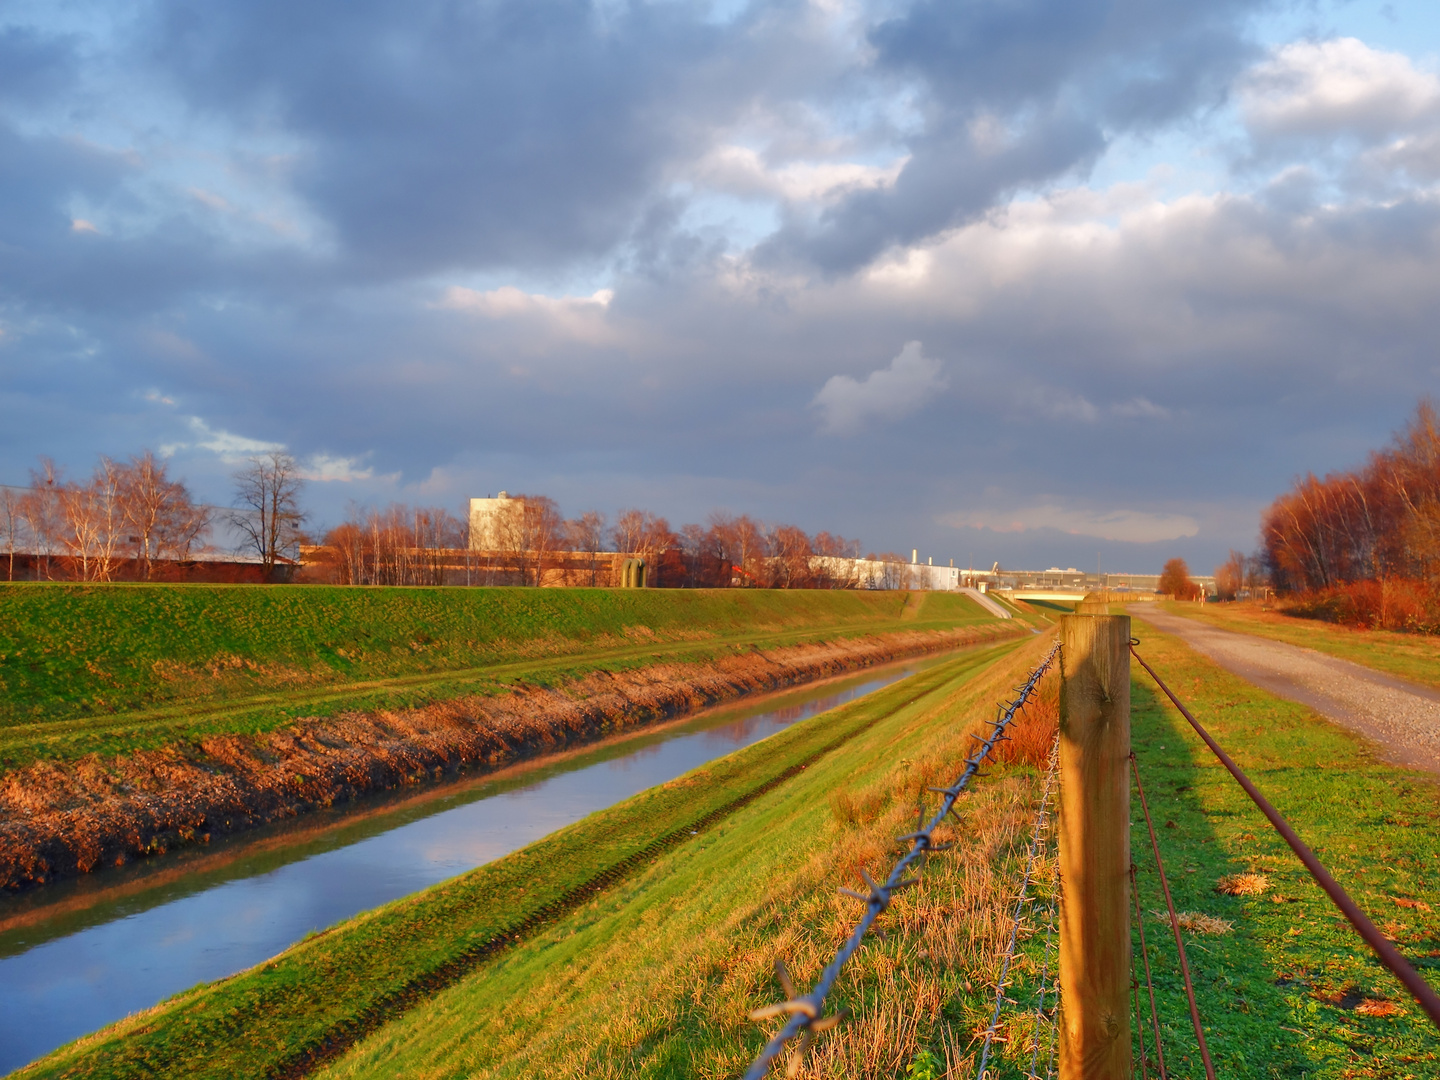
(581, 318)
(1061, 405)
(1135, 526)
(1139, 408)
(1334, 87)
(326, 468)
(158, 398)
(891, 392)
(80, 225)
(739, 170)
(231, 449)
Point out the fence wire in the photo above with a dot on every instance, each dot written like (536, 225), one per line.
(805, 1010)
(1388, 955)
(1175, 927)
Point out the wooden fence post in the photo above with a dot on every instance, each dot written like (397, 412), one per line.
(1095, 847)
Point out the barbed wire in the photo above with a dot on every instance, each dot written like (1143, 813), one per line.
(1388, 955)
(804, 1011)
(1042, 821)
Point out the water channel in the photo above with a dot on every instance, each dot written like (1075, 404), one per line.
(79, 955)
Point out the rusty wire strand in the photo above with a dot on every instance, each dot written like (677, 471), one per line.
(804, 1011)
(1149, 983)
(1042, 821)
(1423, 993)
(1174, 925)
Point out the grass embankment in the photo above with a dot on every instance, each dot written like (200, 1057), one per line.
(1410, 656)
(1282, 994)
(612, 917)
(655, 979)
(652, 972)
(115, 669)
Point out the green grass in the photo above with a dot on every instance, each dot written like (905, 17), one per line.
(114, 669)
(642, 983)
(1266, 990)
(375, 967)
(1410, 656)
(652, 975)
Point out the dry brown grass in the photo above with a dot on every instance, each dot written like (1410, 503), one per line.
(1196, 922)
(1242, 884)
(1413, 905)
(1033, 731)
(1377, 1007)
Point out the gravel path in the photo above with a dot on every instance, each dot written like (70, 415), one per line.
(1401, 718)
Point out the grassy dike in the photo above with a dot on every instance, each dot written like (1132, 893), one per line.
(654, 979)
(318, 998)
(117, 668)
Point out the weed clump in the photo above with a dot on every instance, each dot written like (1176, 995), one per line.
(1197, 922)
(856, 810)
(1032, 733)
(1242, 884)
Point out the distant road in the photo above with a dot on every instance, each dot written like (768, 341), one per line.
(1401, 718)
(986, 603)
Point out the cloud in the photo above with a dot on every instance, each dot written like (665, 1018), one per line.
(1016, 96)
(761, 193)
(230, 448)
(1139, 408)
(327, 468)
(742, 171)
(847, 404)
(1337, 87)
(1131, 526)
(581, 318)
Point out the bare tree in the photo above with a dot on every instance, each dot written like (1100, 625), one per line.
(741, 542)
(541, 529)
(790, 553)
(1230, 575)
(1175, 581)
(163, 521)
(269, 515)
(41, 510)
(93, 522)
(641, 533)
(587, 534)
(10, 519)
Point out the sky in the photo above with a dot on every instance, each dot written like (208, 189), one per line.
(1043, 282)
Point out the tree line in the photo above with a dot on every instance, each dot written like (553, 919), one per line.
(536, 544)
(1380, 521)
(1364, 545)
(131, 520)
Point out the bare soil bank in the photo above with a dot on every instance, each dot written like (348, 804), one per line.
(63, 819)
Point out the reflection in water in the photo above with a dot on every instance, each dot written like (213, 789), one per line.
(89, 964)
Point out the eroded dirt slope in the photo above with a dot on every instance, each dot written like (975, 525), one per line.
(63, 819)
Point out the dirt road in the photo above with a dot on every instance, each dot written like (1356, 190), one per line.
(1399, 717)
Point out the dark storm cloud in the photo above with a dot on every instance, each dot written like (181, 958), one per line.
(1018, 94)
(510, 133)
